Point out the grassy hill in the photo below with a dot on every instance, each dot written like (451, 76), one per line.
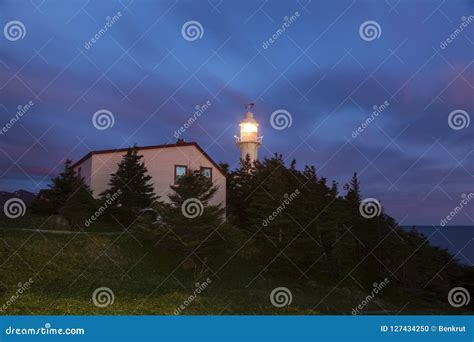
(67, 268)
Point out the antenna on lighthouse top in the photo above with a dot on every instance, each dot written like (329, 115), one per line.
(249, 106)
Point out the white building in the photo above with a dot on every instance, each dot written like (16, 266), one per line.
(249, 140)
(164, 163)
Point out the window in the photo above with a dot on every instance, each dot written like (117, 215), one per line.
(207, 172)
(179, 170)
(79, 172)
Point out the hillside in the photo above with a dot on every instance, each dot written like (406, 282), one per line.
(26, 196)
(67, 268)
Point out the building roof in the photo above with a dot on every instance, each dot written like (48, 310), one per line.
(178, 144)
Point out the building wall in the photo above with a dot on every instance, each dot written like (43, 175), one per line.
(160, 163)
(250, 148)
(86, 169)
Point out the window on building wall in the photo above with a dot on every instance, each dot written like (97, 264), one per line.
(179, 170)
(79, 172)
(207, 172)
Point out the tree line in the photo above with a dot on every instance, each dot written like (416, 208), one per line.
(279, 222)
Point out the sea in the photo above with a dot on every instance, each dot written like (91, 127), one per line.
(459, 240)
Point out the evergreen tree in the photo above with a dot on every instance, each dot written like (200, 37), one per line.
(68, 195)
(316, 237)
(132, 182)
(276, 216)
(353, 196)
(240, 188)
(190, 226)
(224, 167)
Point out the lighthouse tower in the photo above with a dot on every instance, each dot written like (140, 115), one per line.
(249, 141)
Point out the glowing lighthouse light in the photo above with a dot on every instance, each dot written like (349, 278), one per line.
(248, 127)
(249, 141)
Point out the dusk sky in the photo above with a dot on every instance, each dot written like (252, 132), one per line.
(323, 70)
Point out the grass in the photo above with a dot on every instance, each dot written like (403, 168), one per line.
(67, 268)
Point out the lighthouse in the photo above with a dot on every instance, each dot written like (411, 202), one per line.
(249, 141)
